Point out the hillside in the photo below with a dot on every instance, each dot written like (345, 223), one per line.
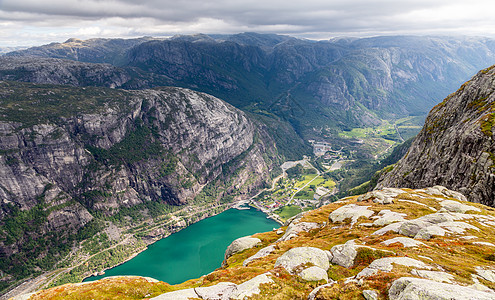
(94, 163)
(455, 147)
(388, 244)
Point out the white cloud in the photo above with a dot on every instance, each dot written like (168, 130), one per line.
(27, 22)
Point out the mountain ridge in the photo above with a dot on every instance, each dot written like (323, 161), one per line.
(337, 80)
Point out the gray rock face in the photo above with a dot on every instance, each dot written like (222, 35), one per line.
(419, 289)
(241, 244)
(455, 148)
(59, 158)
(296, 257)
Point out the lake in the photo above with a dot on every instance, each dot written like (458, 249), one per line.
(195, 250)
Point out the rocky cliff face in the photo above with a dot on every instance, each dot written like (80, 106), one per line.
(455, 147)
(68, 154)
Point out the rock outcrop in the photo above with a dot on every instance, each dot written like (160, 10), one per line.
(69, 153)
(455, 148)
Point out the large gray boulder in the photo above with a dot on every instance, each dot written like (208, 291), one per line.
(344, 255)
(241, 244)
(295, 257)
(409, 288)
(314, 274)
(350, 211)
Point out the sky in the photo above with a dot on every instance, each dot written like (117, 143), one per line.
(37, 22)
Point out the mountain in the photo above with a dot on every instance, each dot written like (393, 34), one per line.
(75, 161)
(387, 244)
(93, 50)
(455, 147)
(341, 83)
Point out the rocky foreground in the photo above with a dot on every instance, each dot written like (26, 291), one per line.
(388, 244)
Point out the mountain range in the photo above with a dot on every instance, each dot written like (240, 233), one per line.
(340, 83)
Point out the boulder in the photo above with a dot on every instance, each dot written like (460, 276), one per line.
(344, 255)
(386, 217)
(262, 253)
(295, 257)
(386, 265)
(241, 244)
(429, 232)
(418, 289)
(350, 211)
(295, 228)
(443, 191)
(394, 227)
(314, 274)
(405, 241)
(457, 207)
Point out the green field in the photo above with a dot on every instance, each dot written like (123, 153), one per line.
(288, 212)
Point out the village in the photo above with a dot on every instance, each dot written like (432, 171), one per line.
(301, 186)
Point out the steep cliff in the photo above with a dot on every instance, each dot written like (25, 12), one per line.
(70, 155)
(455, 147)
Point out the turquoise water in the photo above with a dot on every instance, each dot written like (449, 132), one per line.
(195, 250)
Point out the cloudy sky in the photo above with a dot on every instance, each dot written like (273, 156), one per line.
(35, 22)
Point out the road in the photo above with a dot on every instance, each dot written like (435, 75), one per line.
(398, 133)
